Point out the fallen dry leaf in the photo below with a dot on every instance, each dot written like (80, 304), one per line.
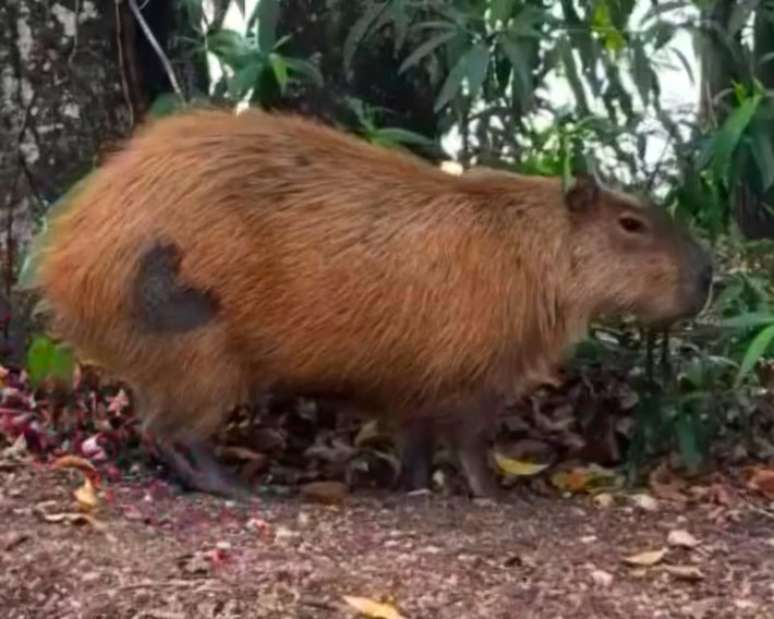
(235, 452)
(372, 609)
(684, 572)
(603, 499)
(570, 481)
(93, 450)
(517, 468)
(119, 402)
(74, 462)
(645, 502)
(196, 563)
(74, 519)
(590, 479)
(11, 540)
(17, 449)
(85, 496)
(527, 449)
(666, 486)
(647, 558)
(682, 539)
(720, 494)
(602, 578)
(329, 492)
(369, 431)
(762, 480)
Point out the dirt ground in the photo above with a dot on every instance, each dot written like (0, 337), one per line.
(158, 553)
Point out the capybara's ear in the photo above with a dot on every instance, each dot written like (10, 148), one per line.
(583, 193)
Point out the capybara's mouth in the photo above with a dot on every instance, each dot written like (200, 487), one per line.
(689, 311)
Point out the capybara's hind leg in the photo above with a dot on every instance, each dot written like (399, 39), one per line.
(200, 471)
(416, 442)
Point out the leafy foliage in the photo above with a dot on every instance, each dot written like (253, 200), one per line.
(254, 67)
(47, 360)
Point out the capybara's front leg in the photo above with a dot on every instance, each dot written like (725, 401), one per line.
(200, 471)
(472, 456)
(416, 443)
(469, 440)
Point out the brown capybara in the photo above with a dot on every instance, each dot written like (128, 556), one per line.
(219, 256)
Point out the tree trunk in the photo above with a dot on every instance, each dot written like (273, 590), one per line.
(64, 97)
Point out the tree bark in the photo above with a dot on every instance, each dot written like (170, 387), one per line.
(64, 98)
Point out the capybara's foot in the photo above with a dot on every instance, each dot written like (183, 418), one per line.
(416, 457)
(473, 462)
(200, 471)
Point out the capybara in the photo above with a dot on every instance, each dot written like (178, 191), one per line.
(218, 256)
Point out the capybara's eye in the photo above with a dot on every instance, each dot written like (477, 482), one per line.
(632, 225)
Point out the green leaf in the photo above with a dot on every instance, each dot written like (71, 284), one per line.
(766, 58)
(244, 79)
(281, 41)
(502, 9)
(268, 15)
(602, 24)
(755, 351)
(749, 320)
(48, 360)
(433, 25)
(403, 136)
(660, 34)
(521, 68)
(763, 153)
(727, 138)
(573, 76)
(280, 69)
(642, 71)
(306, 69)
(165, 104)
(359, 30)
(478, 63)
(400, 21)
(423, 50)
(230, 47)
(472, 64)
(528, 22)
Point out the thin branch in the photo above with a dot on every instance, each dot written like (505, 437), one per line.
(157, 48)
(122, 62)
(77, 10)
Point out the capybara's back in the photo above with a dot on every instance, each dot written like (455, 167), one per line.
(222, 255)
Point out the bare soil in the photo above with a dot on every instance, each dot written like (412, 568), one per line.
(158, 553)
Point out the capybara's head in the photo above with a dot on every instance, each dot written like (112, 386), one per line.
(630, 256)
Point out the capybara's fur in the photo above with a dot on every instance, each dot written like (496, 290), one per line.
(218, 256)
